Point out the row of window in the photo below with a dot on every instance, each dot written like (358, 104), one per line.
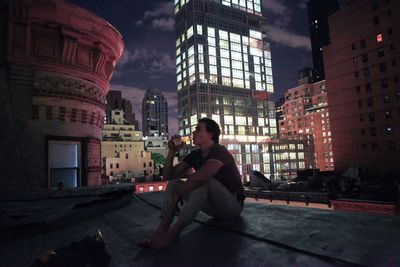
(370, 101)
(382, 68)
(373, 131)
(384, 84)
(391, 147)
(379, 39)
(255, 148)
(117, 165)
(371, 116)
(375, 5)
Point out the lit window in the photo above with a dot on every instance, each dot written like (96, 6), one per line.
(199, 29)
(256, 34)
(212, 51)
(228, 119)
(211, 32)
(235, 37)
(191, 51)
(189, 32)
(223, 35)
(212, 60)
(389, 129)
(379, 38)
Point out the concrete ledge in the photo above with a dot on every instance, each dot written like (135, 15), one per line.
(25, 209)
(66, 192)
(371, 207)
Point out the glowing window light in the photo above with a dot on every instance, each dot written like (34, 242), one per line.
(379, 38)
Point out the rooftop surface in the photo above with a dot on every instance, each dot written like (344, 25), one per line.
(265, 235)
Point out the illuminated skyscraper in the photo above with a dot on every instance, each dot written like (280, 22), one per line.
(155, 113)
(223, 71)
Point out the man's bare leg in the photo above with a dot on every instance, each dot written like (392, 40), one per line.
(161, 229)
(168, 237)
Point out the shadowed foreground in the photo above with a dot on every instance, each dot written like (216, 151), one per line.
(263, 236)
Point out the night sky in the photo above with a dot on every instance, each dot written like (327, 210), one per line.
(147, 27)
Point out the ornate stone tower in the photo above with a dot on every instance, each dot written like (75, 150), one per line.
(55, 65)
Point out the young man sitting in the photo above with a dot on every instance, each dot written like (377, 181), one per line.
(214, 188)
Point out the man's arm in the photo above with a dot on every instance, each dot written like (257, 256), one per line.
(172, 172)
(207, 171)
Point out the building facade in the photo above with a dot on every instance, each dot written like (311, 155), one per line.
(122, 150)
(306, 116)
(119, 131)
(277, 159)
(129, 164)
(362, 74)
(56, 62)
(318, 13)
(155, 113)
(224, 71)
(291, 155)
(114, 101)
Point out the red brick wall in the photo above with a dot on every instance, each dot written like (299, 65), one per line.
(93, 162)
(357, 139)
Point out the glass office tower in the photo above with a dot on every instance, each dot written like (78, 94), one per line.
(224, 72)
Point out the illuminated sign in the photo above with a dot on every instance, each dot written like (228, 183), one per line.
(259, 95)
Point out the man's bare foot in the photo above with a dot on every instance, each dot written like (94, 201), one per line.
(148, 240)
(169, 237)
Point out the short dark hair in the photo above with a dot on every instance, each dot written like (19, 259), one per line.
(212, 127)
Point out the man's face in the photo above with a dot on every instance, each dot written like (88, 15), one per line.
(200, 135)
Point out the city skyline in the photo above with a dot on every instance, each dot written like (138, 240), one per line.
(149, 57)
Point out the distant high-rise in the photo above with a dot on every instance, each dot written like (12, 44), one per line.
(362, 77)
(155, 113)
(115, 101)
(318, 13)
(306, 116)
(224, 72)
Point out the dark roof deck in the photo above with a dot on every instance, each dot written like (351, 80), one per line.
(263, 236)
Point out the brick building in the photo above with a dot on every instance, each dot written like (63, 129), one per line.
(56, 60)
(306, 116)
(362, 75)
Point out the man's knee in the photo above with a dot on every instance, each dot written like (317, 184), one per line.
(201, 190)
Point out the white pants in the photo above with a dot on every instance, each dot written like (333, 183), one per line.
(212, 198)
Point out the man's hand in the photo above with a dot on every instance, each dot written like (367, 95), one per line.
(175, 144)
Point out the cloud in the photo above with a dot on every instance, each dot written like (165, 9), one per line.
(163, 64)
(166, 8)
(162, 17)
(278, 31)
(275, 6)
(164, 24)
(130, 56)
(150, 61)
(282, 36)
(302, 4)
(136, 95)
(139, 23)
